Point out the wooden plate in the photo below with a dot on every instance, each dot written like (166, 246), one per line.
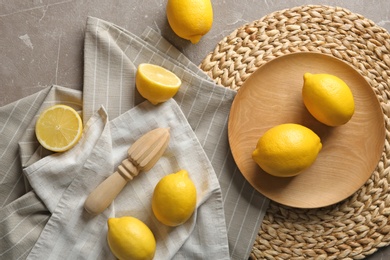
(350, 153)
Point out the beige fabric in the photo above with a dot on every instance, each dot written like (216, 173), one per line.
(111, 56)
(73, 233)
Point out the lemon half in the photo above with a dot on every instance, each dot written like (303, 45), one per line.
(58, 128)
(156, 83)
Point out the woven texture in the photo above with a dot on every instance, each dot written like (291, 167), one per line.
(359, 225)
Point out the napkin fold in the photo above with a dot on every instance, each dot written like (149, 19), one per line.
(23, 214)
(112, 55)
(103, 146)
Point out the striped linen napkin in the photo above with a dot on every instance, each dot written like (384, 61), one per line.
(28, 223)
(103, 147)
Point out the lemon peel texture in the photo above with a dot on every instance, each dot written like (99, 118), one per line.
(328, 98)
(190, 19)
(130, 239)
(286, 150)
(174, 199)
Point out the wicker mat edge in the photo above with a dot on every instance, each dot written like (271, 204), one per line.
(358, 226)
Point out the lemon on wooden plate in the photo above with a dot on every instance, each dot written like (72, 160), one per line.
(58, 128)
(190, 19)
(156, 83)
(328, 98)
(130, 239)
(174, 199)
(286, 150)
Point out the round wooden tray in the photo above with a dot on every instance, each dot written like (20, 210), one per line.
(350, 153)
(355, 227)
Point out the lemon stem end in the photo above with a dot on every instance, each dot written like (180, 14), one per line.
(195, 39)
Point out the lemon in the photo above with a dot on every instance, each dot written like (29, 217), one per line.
(131, 239)
(328, 98)
(156, 83)
(174, 199)
(287, 149)
(190, 19)
(58, 128)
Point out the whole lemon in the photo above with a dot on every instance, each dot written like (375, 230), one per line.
(174, 199)
(156, 83)
(131, 239)
(190, 19)
(328, 98)
(287, 149)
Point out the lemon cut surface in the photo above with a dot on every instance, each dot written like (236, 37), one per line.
(156, 83)
(58, 128)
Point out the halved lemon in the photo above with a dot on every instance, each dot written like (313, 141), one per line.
(156, 83)
(58, 128)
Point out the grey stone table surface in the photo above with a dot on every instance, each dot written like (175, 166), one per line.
(41, 41)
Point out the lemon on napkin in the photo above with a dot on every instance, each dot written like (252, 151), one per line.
(130, 239)
(156, 83)
(59, 128)
(174, 199)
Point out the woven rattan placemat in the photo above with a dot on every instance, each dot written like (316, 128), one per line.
(359, 225)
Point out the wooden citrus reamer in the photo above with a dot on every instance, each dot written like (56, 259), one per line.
(142, 156)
